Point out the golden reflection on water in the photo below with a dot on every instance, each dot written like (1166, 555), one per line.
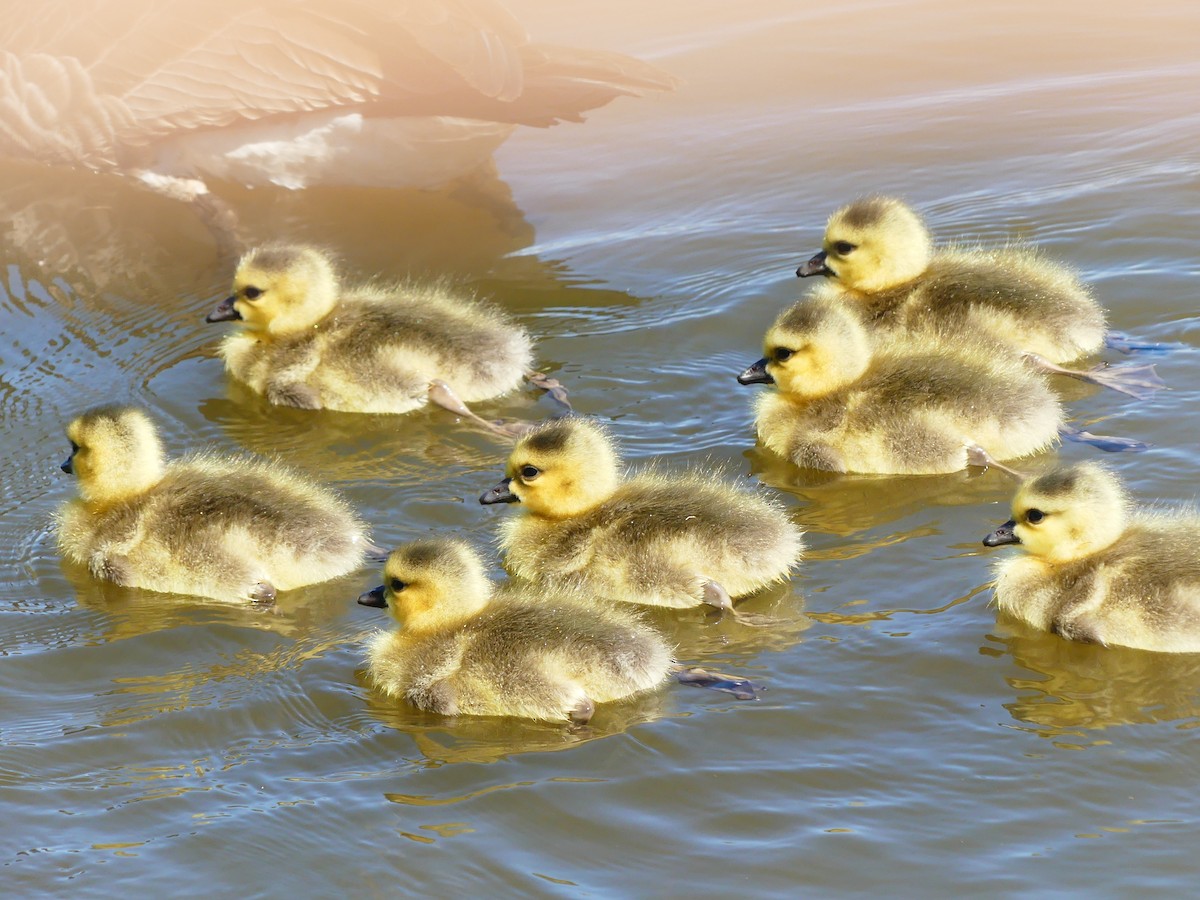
(1069, 688)
(848, 504)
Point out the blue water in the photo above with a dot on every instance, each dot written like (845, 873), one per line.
(907, 742)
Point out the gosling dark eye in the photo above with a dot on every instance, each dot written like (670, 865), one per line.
(252, 293)
(844, 247)
(74, 447)
(397, 585)
(1034, 516)
(783, 354)
(530, 472)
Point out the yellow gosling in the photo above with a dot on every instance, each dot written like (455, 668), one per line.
(878, 253)
(657, 539)
(900, 407)
(229, 528)
(465, 646)
(1096, 570)
(307, 340)
(879, 256)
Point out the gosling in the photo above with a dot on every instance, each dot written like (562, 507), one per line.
(675, 541)
(308, 341)
(879, 255)
(1098, 571)
(212, 526)
(900, 408)
(467, 647)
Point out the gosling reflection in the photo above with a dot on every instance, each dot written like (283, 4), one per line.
(850, 504)
(481, 740)
(131, 612)
(175, 96)
(1068, 686)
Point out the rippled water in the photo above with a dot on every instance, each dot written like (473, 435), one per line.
(908, 743)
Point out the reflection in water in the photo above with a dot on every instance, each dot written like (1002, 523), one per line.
(848, 504)
(369, 93)
(478, 739)
(1071, 686)
(133, 612)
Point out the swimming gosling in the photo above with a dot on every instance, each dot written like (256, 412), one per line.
(879, 255)
(904, 406)
(306, 340)
(657, 539)
(1097, 570)
(466, 646)
(231, 528)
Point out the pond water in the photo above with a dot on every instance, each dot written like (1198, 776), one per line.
(907, 742)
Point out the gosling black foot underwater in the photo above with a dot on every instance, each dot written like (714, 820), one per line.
(1123, 343)
(1104, 442)
(740, 688)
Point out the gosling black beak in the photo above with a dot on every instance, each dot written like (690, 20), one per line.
(815, 266)
(373, 598)
(756, 374)
(224, 311)
(66, 466)
(1002, 535)
(499, 494)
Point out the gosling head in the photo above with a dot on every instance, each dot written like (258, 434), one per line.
(812, 349)
(115, 454)
(1066, 514)
(871, 245)
(431, 583)
(280, 290)
(561, 468)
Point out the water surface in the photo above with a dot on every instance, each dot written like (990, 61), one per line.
(908, 743)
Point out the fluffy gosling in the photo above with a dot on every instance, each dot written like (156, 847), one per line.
(1095, 569)
(465, 646)
(879, 255)
(306, 340)
(213, 526)
(900, 407)
(662, 540)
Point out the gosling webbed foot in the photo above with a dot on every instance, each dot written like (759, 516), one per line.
(1103, 441)
(375, 553)
(1138, 381)
(977, 456)
(297, 395)
(443, 395)
(1123, 343)
(741, 688)
(582, 712)
(716, 595)
(262, 592)
(551, 386)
